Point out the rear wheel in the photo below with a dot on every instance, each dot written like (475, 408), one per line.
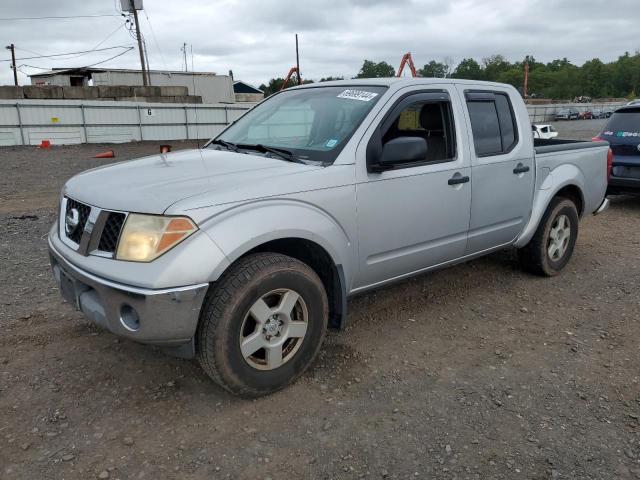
(551, 247)
(262, 324)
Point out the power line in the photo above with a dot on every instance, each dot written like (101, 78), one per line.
(111, 58)
(22, 49)
(108, 37)
(84, 66)
(155, 40)
(71, 53)
(57, 17)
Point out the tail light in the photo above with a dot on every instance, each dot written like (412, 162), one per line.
(597, 138)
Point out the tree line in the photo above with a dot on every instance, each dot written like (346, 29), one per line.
(558, 79)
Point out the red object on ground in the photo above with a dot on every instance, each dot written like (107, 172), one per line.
(45, 144)
(107, 154)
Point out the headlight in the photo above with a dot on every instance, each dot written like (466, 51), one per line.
(146, 237)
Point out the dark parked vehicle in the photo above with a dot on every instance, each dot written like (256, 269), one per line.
(622, 131)
(567, 114)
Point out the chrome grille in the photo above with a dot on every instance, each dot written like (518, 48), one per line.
(111, 232)
(90, 230)
(74, 233)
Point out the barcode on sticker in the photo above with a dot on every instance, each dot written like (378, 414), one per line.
(358, 95)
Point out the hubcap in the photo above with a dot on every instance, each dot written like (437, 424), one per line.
(273, 329)
(559, 238)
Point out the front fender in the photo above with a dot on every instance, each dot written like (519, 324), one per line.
(556, 180)
(244, 227)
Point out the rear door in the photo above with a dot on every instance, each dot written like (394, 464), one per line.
(502, 169)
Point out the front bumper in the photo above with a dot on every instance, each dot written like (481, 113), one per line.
(166, 317)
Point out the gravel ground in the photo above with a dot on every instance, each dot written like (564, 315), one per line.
(478, 371)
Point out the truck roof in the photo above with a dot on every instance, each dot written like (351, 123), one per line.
(403, 81)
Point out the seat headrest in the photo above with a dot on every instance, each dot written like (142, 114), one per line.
(431, 117)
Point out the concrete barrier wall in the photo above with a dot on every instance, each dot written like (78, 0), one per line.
(163, 94)
(28, 122)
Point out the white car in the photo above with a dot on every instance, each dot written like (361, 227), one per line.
(544, 131)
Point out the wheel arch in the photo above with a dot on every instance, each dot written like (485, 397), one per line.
(573, 193)
(321, 262)
(294, 228)
(571, 187)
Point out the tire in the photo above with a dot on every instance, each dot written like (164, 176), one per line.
(264, 300)
(546, 254)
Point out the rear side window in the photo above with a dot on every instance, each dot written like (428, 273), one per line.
(492, 123)
(486, 129)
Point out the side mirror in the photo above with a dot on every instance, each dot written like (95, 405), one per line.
(401, 150)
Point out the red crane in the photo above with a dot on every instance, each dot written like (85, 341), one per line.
(292, 70)
(406, 59)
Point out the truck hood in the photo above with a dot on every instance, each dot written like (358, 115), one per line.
(152, 184)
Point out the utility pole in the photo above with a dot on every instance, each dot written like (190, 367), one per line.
(298, 62)
(12, 47)
(526, 77)
(146, 57)
(184, 54)
(145, 82)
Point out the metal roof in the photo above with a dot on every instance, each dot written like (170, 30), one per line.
(402, 81)
(243, 87)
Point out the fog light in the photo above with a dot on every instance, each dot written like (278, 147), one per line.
(129, 318)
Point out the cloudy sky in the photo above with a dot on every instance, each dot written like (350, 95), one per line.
(255, 38)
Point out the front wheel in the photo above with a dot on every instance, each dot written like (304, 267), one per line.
(551, 247)
(262, 324)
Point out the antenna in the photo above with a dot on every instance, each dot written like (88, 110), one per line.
(183, 49)
(193, 78)
(298, 62)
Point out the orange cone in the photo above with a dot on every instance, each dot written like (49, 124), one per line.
(107, 154)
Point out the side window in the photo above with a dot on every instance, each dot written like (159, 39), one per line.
(485, 128)
(433, 121)
(492, 123)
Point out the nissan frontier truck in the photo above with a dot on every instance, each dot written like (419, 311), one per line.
(242, 253)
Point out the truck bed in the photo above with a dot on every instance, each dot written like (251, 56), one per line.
(550, 145)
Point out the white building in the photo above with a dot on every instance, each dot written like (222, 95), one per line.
(211, 87)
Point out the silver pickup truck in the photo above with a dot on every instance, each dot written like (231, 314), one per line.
(242, 253)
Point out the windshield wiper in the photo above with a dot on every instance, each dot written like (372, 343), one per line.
(283, 153)
(228, 145)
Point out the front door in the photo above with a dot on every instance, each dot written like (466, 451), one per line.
(416, 215)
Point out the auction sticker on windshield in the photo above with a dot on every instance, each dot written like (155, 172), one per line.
(361, 95)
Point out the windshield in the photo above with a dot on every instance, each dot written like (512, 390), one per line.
(313, 124)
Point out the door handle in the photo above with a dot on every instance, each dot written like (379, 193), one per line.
(520, 169)
(458, 180)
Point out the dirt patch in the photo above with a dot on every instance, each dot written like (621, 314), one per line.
(478, 371)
